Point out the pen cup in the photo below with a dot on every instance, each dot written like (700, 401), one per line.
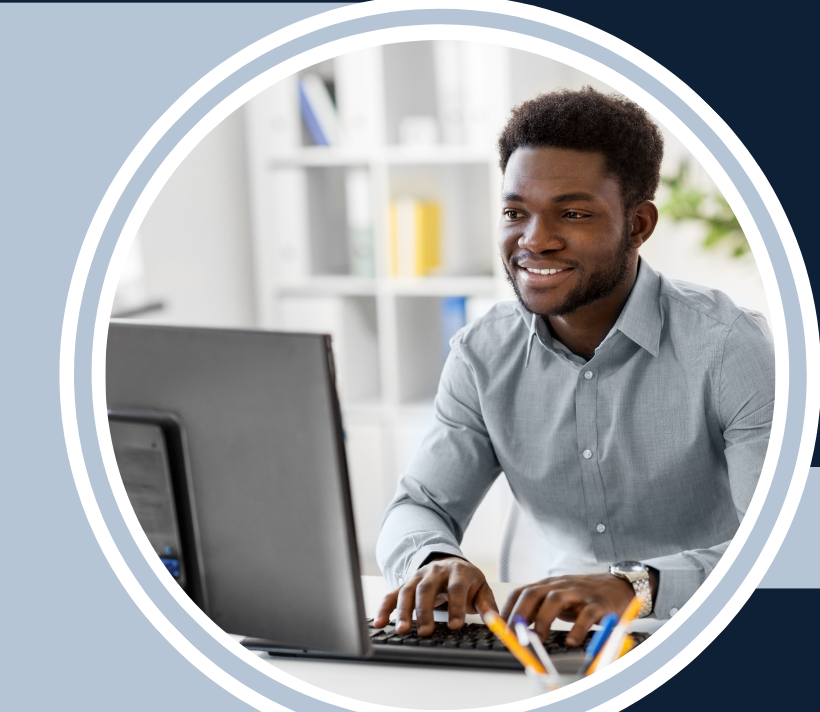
(539, 684)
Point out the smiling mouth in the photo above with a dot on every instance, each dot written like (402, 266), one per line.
(534, 278)
(532, 270)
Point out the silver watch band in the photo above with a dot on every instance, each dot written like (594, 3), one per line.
(639, 578)
(643, 591)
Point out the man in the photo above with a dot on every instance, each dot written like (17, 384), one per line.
(629, 413)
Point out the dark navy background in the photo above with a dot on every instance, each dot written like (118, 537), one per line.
(79, 86)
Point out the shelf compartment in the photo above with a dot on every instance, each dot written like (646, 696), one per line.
(468, 245)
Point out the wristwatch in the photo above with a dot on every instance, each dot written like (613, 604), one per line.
(638, 575)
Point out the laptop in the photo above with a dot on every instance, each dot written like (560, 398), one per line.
(259, 468)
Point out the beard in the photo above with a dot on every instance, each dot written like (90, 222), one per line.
(590, 288)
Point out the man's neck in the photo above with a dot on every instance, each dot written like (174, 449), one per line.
(583, 330)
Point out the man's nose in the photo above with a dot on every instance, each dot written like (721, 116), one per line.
(541, 235)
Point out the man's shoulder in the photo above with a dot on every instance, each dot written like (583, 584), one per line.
(501, 324)
(679, 296)
(706, 303)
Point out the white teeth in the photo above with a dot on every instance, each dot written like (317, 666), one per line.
(543, 271)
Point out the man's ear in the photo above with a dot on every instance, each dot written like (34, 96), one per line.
(643, 221)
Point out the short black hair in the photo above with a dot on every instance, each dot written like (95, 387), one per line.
(588, 120)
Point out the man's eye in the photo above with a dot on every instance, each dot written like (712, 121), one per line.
(511, 214)
(572, 215)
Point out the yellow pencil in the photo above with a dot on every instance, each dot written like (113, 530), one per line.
(629, 643)
(631, 612)
(506, 636)
(593, 664)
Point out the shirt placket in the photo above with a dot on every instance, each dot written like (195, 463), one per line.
(599, 525)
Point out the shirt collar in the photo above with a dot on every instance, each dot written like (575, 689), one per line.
(640, 320)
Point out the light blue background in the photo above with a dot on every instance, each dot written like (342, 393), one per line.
(81, 85)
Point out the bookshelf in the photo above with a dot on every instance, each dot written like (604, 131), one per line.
(416, 121)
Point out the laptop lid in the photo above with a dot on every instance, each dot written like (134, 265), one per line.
(260, 417)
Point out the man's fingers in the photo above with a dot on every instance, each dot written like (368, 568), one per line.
(554, 602)
(485, 600)
(406, 604)
(458, 589)
(528, 601)
(426, 594)
(509, 605)
(588, 616)
(583, 599)
(388, 605)
(454, 580)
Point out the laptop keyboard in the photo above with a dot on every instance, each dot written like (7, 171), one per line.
(473, 636)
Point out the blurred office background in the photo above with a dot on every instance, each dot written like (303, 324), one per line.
(360, 199)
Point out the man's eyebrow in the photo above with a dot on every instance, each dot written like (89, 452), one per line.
(565, 198)
(570, 197)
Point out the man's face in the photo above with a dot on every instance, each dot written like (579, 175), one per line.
(562, 212)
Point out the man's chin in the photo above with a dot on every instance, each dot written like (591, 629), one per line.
(540, 306)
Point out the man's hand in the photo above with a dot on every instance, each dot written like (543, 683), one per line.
(449, 579)
(583, 599)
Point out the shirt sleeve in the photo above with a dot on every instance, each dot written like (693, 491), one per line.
(446, 480)
(745, 405)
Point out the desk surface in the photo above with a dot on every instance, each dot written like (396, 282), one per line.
(418, 687)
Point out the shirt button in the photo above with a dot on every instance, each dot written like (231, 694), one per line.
(673, 611)
(587, 453)
(588, 375)
(601, 528)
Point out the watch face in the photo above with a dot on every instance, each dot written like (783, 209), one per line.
(629, 567)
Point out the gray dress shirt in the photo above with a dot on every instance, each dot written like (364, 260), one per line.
(651, 450)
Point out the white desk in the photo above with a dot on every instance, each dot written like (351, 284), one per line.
(414, 686)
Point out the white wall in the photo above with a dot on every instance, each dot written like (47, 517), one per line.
(196, 239)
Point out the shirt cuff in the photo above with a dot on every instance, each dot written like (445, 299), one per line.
(418, 558)
(677, 582)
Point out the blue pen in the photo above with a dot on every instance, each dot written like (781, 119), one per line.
(608, 622)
